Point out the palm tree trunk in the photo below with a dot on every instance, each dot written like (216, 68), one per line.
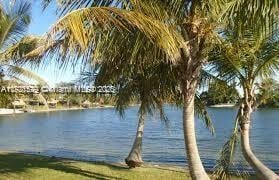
(135, 156)
(196, 168)
(261, 170)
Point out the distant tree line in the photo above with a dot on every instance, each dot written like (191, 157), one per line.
(220, 92)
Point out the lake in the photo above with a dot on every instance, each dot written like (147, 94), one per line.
(101, 135)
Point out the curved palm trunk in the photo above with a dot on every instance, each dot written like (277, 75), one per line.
(191, 67)
(261, 170)
(135, 156)
(195, 164)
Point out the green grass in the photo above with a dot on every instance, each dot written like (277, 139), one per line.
(20, 166)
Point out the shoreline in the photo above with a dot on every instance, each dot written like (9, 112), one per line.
(69, 109)
(223, 106)
(6, 111)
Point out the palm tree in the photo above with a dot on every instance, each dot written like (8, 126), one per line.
(14, 20)
(144, 82)
(184, 30)
(247, 58)
(152, 83)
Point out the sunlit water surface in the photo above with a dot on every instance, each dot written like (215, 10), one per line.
(101, 135)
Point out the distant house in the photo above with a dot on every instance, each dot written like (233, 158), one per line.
(86, 104)
(95, 104)
(34, 102)
(52, 103)
(19, 104)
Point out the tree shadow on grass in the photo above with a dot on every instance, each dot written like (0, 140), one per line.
(16, 163)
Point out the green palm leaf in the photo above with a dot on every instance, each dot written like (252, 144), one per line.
(76, 33)
(19, 50)
(14, 22)
(19, 71)
(201, 112)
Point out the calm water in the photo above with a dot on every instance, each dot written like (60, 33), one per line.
(100, 135)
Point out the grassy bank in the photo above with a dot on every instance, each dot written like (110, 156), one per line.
(21, 166)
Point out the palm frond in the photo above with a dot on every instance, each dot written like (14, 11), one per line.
(66, 6)
(261, 15)
(19, 71)
(18, 80)
(173, 7)
(18, 51)
(225, 61)
(201, 112)
(222, 169)
(14, 22)
(268, 59)
(80, 30)
(147, 79)
(226, 155)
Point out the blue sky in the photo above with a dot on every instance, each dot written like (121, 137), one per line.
(40, 24)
